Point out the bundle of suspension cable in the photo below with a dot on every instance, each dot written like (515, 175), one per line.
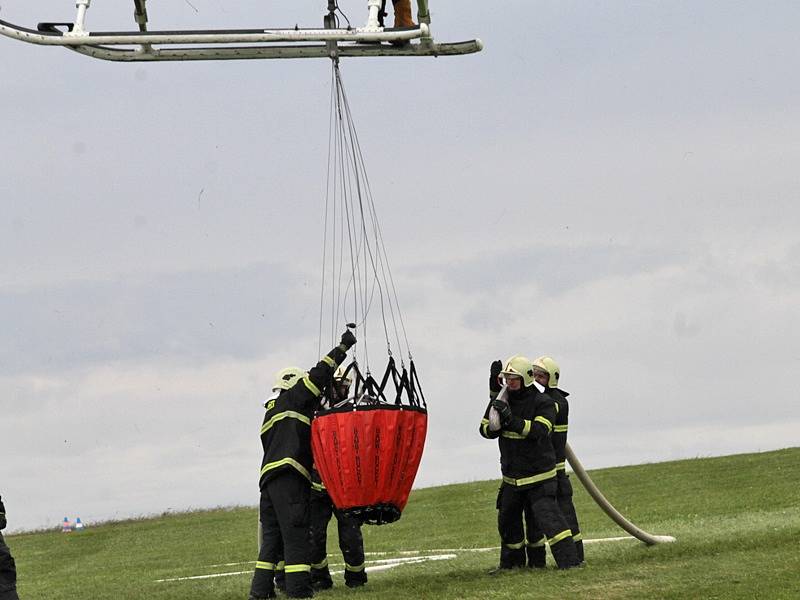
(357, 282)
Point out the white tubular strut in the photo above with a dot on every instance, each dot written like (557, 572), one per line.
(80, 18)
(612, 512)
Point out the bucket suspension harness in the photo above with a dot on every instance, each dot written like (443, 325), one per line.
(357, 280)
(368, 446)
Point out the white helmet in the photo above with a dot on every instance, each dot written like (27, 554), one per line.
(287, 378)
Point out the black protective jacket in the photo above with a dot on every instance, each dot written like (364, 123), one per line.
(8, 568)
(560, 427)
(526, 449)
(286, 431)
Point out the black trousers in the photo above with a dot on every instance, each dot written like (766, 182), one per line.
(544, 522)
(351, 543)
(564, 499)
(8, 573)
(510, 502)
(536, 540)
(284, 513)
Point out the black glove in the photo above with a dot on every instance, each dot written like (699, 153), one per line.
(348, 339)
(494, 374)
(503, 410)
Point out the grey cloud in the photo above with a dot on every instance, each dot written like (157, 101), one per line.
(558, 269)
(780, 274)
(655, 141)
(193, 316)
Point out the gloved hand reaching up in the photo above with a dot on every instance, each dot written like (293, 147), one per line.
(348, 339)
(494, 377)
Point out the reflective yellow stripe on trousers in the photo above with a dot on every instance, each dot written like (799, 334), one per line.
(538, 544)
(298, 569)
(558, 537)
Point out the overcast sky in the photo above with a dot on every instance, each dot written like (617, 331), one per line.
(615, 184)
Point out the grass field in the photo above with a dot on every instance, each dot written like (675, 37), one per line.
(736, 519)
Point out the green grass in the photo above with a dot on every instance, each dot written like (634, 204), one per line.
(736, 518)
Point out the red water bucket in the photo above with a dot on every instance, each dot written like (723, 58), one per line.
(368, 457)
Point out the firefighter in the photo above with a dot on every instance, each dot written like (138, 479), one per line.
(527, 462)
(285, 480)
(8, 568)
(351, 542)
(547, 373)
(402, 14)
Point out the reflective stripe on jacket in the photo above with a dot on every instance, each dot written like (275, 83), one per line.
(527, 457)
(561, 425)
(286, 429)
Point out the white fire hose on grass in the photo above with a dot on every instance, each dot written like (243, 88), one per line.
(594, 491)
(612, 512)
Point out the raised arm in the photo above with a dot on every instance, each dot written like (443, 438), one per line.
(323, 371)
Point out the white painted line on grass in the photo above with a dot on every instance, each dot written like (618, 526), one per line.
(489, 548)
(391, 563)
(236, 564)
(611, 539)
(408, 557)
(377, 565)
(212, 576)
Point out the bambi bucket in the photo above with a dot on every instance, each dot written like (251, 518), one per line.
(368, 457)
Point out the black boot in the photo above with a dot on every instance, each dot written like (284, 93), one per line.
(537, 557)
(565, 554)
(354, 579)
(321, 579)
(579, 551)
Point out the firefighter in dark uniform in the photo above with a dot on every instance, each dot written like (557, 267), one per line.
(528, 464)
(351, 542)
(286, 475)
(547, 373)
(8, 568)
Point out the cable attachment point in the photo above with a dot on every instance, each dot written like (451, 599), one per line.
(330, 22)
